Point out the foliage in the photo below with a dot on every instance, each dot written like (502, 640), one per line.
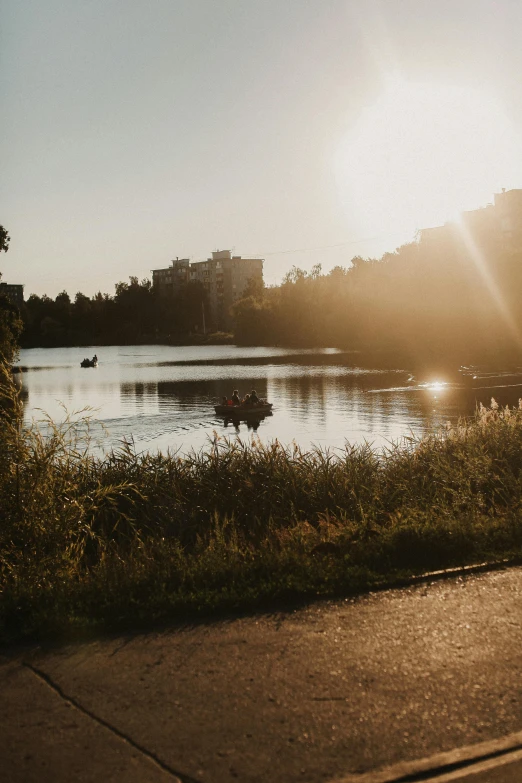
(10, 330)
(4, 240)
(421, 303)
(135, 314)
(10, 321)
(134, 538)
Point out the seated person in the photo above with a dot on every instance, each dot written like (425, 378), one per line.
(254, 398)
(247, 400)
(235, 398)
(224, 401)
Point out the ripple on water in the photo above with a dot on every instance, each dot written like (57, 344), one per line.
(162, 397)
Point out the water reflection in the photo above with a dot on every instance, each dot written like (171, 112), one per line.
(239, 422)
(163, 397)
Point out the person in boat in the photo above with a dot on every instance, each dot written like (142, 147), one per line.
(247, 400)
(254, 399)
(235, 398)
(224, 401)
(94, 359)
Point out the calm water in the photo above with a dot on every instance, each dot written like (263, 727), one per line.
(161, 397)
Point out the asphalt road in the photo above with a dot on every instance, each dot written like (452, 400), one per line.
(323, 693)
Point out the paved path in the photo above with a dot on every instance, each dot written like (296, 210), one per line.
(324, 693)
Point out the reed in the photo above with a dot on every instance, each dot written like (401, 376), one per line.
(132, 538)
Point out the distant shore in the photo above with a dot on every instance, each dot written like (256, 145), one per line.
(213, 338)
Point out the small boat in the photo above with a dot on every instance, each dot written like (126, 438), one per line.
(89, 363)
(233, 411)
(475, 378)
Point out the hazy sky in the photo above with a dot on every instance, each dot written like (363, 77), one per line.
(134, 132)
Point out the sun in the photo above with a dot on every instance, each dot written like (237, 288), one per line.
(423, 153)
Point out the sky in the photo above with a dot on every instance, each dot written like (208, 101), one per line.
(300, 131)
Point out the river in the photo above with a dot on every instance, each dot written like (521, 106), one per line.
(162, 397)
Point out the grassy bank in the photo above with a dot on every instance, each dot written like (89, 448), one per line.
(136, 539)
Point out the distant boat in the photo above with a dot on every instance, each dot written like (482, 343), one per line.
(89, 363)
(478, 378)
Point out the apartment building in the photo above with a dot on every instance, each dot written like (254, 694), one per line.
(169, 281)
(224, 278)
(14, 292)
(495, 226)
(508, 206)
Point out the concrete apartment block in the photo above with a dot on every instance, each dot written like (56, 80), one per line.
(493, 227)
(14, 292)
(224, 277)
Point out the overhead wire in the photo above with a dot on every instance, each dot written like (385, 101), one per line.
(325, 247)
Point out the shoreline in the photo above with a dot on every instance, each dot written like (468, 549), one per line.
(139, 538)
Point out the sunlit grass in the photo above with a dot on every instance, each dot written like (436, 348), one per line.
(136, 538)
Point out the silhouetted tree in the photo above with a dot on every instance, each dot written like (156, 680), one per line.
(4, 240)
(10, 322)
(433, 301)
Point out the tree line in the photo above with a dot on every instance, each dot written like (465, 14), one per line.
(421, 303)
(424, 302)
(136, 313)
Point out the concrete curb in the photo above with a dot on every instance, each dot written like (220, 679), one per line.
(433, 576)
(452, 765)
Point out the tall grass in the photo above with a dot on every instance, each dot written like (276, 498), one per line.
(133, 538)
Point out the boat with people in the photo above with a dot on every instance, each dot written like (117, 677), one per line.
(89, 362)
(250, 405)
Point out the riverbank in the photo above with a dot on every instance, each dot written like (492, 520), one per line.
(136, 539)
(85, 341)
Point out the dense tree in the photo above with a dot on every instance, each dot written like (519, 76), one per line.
(4, 240)
(10, 321)
(254, 321)
(135, 314)
(417, 303)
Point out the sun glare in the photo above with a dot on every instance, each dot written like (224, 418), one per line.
(435, 385)
(422, 153)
